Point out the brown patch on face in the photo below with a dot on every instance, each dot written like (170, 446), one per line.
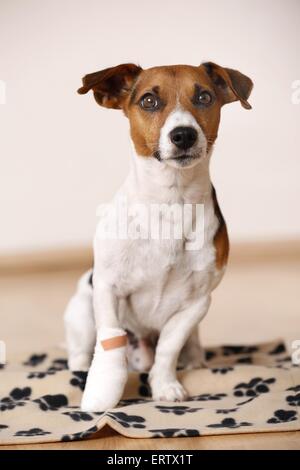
(221, 241)
(123, 86)
(145, 125)
(172, 85)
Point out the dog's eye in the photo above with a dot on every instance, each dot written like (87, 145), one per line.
(204, 98)
(149, 102)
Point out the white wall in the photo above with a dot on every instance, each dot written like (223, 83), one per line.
(61, 154)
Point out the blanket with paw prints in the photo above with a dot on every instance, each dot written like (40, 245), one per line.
(244, 389)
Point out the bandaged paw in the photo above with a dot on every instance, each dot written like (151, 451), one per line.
(108, 373)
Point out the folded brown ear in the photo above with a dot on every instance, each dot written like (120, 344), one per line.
(110, 86)
(230, 84)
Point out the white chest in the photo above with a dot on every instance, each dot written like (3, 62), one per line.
(156, 276)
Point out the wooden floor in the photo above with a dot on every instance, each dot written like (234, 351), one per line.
(257, 301)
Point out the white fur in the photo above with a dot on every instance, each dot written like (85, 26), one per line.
(150, 286)
(80, 326)
(180, 117)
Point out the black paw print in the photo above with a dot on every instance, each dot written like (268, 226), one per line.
(221, 370)
(35, 359)
(32, 432)
(283, 360)
(171, 432)
(126, 420)
(254, 388)
(235, 350)
(79, 435)
(208, 397)
(278, 349)
(245, 360)
(283, 416)
(56, 366)
(229, 423)
(177, 409)
(20, 393)
(294, 389)
(144, 388)
(294, 400)
(79, 415)
(37, 375)
(79, 379)
(17, 397)
(52, 402)
(225, 411)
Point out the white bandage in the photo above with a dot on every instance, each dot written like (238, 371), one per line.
(108, 373)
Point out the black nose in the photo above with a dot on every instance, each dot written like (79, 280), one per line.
(183, 137)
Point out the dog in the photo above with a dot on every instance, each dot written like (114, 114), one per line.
(154, 290)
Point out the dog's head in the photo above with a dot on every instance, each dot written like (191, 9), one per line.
(174, 111)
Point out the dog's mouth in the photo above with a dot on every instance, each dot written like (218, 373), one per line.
(184, 159)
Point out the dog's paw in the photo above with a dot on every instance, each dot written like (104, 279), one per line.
(169, 391)
(93, 402)
(105, 381)
(104, 393)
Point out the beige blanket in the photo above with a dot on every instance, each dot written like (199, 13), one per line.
(245, 389)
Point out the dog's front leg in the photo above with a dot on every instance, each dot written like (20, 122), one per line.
(173, 336)
(108, 372)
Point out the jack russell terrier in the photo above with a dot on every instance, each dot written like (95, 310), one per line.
(152, 289)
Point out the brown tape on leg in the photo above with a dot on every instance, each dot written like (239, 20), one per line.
(114, 342)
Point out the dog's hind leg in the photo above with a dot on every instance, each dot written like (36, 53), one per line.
(80, 325)
(192, 355)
